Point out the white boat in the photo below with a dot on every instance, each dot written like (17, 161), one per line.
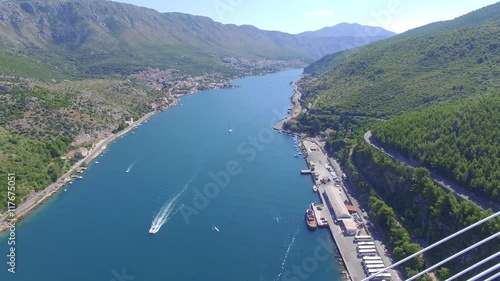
(80, 177)
(65, 189)
(154, 229)
(230, 130)
(97, 162)
(128, 170)
(215, 228)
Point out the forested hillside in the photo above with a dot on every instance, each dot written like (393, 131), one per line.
(460, 141)
(451, 61)
(36, 164)
(425, 210)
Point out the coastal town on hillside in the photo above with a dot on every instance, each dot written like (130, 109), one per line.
(175, 83)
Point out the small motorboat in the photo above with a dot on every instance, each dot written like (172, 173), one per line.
(154, 229)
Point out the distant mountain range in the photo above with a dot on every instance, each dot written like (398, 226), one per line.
(90, 38)
(348, 30)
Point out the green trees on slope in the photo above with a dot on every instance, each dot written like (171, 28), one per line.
(424, 209)
(459, 141)
(36, 164)
(450, 61)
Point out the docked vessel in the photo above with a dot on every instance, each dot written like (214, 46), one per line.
(311, 219)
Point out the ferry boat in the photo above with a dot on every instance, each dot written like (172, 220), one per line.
(154, 229)
(311, 219)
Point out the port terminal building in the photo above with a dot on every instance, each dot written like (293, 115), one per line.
(335, 203)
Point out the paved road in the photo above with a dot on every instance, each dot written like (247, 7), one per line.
(26, 205)
(439, 180)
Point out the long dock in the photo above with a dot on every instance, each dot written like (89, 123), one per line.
(345, 243)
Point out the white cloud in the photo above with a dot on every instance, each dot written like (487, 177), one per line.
(320, 13)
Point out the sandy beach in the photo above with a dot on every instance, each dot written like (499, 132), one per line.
(39, 198)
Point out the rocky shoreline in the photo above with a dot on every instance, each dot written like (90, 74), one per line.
(295, 111)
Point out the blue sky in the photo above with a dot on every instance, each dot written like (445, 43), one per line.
(294, 16)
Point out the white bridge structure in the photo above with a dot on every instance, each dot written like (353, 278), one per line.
(490, 274)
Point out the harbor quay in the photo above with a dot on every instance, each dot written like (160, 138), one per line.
(338, 213)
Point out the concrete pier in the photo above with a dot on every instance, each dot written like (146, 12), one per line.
(346, 245)
(321, 214)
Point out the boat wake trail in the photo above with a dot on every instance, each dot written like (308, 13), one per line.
(277, 217)
(167, 210)
(290, 245)
(130, 167)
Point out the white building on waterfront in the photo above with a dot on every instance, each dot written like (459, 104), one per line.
(335, 203)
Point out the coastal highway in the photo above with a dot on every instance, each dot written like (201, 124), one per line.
(439, 180)
(35, 198)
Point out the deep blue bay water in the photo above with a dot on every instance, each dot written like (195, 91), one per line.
(98, 228)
